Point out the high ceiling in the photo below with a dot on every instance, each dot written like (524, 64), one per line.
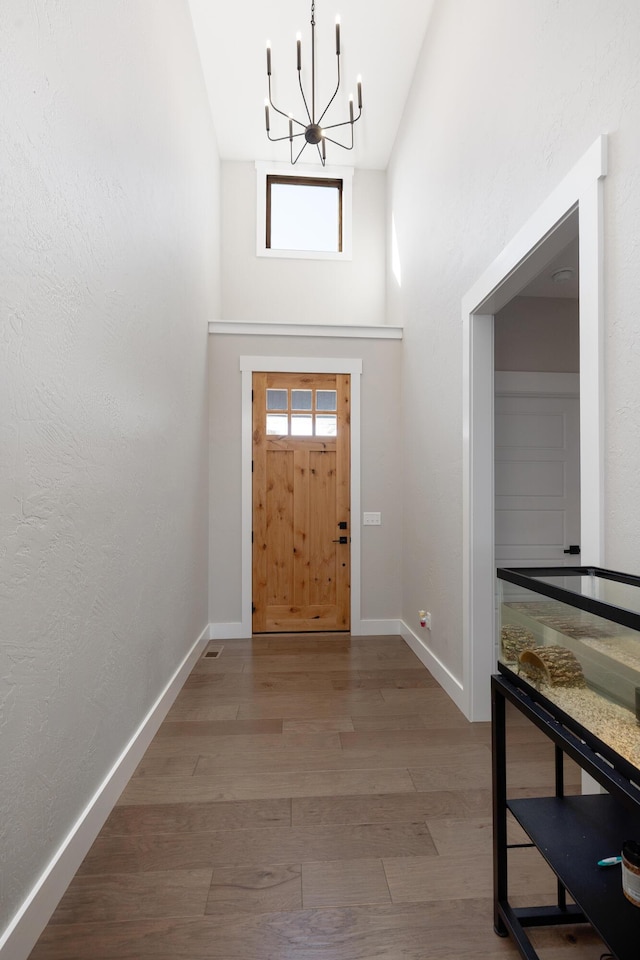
(380, 40)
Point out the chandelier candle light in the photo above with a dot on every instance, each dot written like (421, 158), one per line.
(312, 130)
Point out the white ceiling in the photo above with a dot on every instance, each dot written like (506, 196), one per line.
(545, 286)
(380, 40)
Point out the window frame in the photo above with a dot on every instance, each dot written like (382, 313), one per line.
(312, 413)
(304, 173)
(326, 183)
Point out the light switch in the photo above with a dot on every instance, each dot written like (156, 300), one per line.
(371, 519)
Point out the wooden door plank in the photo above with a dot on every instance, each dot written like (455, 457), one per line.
(323, 527)
(301, 521)
(301, 443)
(301, 381)
(279, 534)
(310, 617)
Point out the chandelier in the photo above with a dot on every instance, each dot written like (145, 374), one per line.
(311, 129)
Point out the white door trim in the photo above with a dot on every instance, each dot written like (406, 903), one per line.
(249, 365)
(552, 225)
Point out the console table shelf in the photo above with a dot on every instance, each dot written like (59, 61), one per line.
(571, 832)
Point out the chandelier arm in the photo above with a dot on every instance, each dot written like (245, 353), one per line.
(344, 123)
(338, 144)
(283, 114)
(304, 145)
(277, 139)
(271, 103)
(334, 92)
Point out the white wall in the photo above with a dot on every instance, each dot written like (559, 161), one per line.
(538, 334)
(302, 291)
(109, 271)
(477, 153)
(380, 463)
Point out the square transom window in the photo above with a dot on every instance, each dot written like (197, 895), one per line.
(304, 213)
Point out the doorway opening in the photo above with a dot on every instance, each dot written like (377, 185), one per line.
(537, 419)
(574, 208)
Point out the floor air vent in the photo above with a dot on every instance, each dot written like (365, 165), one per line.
(211, 654)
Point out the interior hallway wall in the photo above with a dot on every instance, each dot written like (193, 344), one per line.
(380, 463)
(109, 271)
(538, 333)
(281, 290)
(486, 136)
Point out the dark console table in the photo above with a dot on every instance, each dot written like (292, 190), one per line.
(571, 832)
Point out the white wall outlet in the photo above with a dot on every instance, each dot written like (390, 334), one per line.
(371, 519)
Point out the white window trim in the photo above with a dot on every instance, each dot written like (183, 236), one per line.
(263, 170)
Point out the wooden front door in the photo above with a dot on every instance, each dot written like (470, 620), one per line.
(301, 502)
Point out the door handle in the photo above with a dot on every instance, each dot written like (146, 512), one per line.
(573, 549)
(341, 540)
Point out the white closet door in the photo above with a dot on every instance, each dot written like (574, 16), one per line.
(537, 480)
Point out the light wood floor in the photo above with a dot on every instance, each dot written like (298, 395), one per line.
(309, 798)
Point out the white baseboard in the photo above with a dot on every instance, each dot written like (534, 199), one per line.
(378, 628)
(227, 631)
(18, 940)
(442, 674)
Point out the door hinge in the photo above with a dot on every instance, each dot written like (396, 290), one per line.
(252, 396)
(252, 536)
(253, 608)
(252, 466)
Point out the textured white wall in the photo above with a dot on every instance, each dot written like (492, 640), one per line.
(506, 99)
(108, 273)
(302, 291)
(539, 334)
(380, 463)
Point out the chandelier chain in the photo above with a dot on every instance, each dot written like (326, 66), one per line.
(313, 13)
